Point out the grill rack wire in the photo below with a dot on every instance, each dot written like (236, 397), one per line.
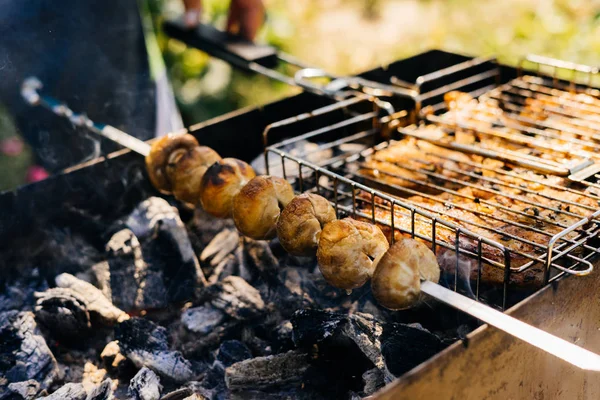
(361, 128)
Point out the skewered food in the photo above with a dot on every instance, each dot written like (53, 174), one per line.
(257, 206)
(185, 171)
(301, 221)
(348, 252)
(162, 153)
(221, 182)
(396, 282)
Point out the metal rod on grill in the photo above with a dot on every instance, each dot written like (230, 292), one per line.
(543, 340)
(29, 91)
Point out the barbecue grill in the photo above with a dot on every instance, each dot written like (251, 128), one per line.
(350, 132)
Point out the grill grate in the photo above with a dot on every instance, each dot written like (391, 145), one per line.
(483, 181)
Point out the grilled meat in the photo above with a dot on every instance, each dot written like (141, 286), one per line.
(515, 207)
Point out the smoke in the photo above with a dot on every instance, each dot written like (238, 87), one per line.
(449, 261)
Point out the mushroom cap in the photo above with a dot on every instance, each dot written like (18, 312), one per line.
(161, 151)
(396, 283)
(221, 182)
(257, 206)
(301, 222)
(186, 170)
(348, 252)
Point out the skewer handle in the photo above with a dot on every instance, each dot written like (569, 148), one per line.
(543, 340)
(29, 91)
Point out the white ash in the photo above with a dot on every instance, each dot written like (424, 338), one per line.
(236, 297)
(70, 391)
(145, 385)
(146, 345)
(262, 372)
(223, 244)
(95, 301)
(26, 390)
(202, 320)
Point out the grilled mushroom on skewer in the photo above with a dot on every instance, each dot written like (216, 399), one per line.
(301, 222)
(349, 251)
(257, 206)
(396, 283)
(221, 182)
(164, 151)
(186, 172)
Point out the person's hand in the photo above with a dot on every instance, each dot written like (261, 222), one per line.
(245, 16)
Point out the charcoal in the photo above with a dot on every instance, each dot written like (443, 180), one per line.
(342, 337)
(24, 390)
(297, 393)
(24, 354)
(283, 336)
(145, 385)
(251, 337)
(196, 345)
(236, 298)
(63, 313)
(179, 394)
(151, 262)
(203, 228)
(202, 320)
(100, 308)
(264, 372)
(223, 244)
(146, 345)
(406, 346)
(70, 391)
(131, 283)
(164, 238)
(245, 270)
(374, 380)
(365, 331)
(104, 391)
(261, 258)
(195, 396)
(225, 268)
(306, 288)
(314, 326)
(232, 351)
(202, 328)
(20, 294)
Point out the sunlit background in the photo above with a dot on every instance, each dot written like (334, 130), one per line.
(350, 36)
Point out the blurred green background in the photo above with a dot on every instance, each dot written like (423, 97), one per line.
(350, 36)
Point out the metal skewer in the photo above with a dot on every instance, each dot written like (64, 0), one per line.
(29, 91)
(545, 341)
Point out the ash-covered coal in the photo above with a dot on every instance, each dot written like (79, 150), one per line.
(145, 385)
(26, 362)
(70, 391)
(141, 321)
(72, 309)
(146, 345)
(150, 260)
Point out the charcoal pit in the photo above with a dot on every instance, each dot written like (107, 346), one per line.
(124, 294)
(145, 323)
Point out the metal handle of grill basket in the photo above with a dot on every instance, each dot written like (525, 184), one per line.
(263, 59)
(545, 341)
